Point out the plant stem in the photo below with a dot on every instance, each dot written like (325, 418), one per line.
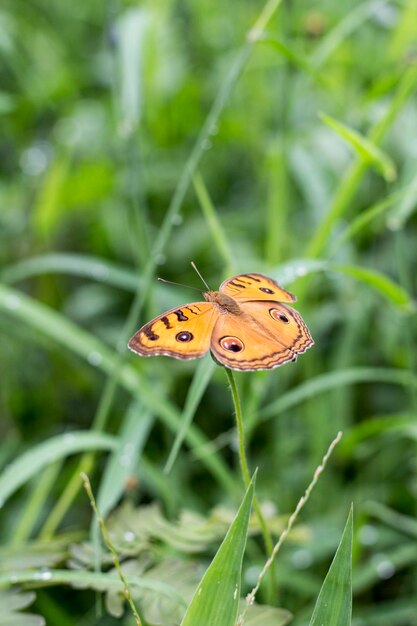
(107, 541)
(246, 478)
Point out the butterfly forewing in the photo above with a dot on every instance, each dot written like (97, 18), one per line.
(183, 332)
(255, 287)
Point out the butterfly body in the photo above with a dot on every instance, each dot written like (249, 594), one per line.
(245, 325)
(225, 303)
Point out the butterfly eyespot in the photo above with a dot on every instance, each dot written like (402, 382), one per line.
(184, 336)
(266, 290)
(278, 315)
(232, 344)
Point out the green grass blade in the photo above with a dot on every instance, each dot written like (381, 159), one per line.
(296, 59)
(389, 517)
(325, 382)
(216, 600)
(213, 222)
(394, 424)
(387, 287)
(351, 181)
(367, 216)
(364, 147)
(277, 205)
(124, 458)
(406, 87)
(198, 386)
(334, 604)
(28, 464)
(48, 206)
(372, 278)
(406, 207)
(83, 265)
(131, 29)
(344, 29)
(396, 558)
(36, 503)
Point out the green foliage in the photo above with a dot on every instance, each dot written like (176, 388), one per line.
(11, 604)
(22, 469)
(334, 604)
(216, 599)
(137, 137)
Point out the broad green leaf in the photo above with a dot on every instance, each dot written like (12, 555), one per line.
(28, 464)
(366, 149)
(216, 600)
(334, 604)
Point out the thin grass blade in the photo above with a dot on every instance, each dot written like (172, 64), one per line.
(365, 148)
(30, 463)
(83, 265)
(198, 386)
(334, 604)
(124, 457)
(387, 287)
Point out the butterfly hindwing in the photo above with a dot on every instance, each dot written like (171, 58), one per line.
(182, 333)
(255, 287)
(267, 334)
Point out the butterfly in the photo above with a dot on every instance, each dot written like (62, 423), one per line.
(246, 325)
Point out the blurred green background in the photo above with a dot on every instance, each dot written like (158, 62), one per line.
(137, 137)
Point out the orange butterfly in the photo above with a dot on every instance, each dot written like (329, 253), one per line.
(245, 325)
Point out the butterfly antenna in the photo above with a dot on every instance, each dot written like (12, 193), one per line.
(170, 282)
(193, 265)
